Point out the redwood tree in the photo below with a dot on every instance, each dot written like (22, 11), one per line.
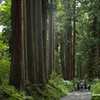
(51, 40)
(74, 43)
(44, 20)
(40, 43)
(17, 76)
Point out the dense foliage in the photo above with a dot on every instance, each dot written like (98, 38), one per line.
(5, 24)
(5, 21)
(4, 62)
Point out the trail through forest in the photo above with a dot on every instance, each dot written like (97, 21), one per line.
(77, 95)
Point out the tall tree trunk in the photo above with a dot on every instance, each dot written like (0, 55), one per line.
(63, 56)
(25, 40)
(35, 35)
(44, 17)
(30, 43)
(94, 49)
(74, 43)
(35, 40)
(68, 43)
(67, 59)
(40, 44)
(62, 59)
(70, 48)
(51, 18)
(70, 51)
(17, 45)
(99, 56)
(53, 44)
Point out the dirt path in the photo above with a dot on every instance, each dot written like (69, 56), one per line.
(77, 95)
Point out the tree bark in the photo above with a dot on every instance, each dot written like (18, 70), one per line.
(25, 41)
(35, 39)
(44, 17)
(40, 44)
(51, 18)
(74, 43)
(30, 42)
(62, 59)
(17, 45)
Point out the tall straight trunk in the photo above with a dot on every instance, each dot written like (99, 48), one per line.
(62, 59)
(99, 50)
(94, 49)
(25, 41)
(70, 48)
(70, 51)
(51, 18)
(68, 45)
(30, 43)
(40, 44)
(44, 17)
(53, 44)
(74, 43)
(91, 63)
(66, 36)
(66, 57)
(35, 37)
(65, 62)
(99, 56)
(17, 78)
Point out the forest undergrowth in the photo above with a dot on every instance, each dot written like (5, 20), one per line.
(56, 88)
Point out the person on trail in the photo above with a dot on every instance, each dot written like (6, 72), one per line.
(81, 86)
(87, 87)
(78, 86)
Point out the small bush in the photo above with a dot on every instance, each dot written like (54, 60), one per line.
(95, 89)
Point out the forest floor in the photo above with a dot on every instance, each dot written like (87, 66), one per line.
(77, 95)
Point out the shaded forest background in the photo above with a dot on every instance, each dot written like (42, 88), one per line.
(41, 39)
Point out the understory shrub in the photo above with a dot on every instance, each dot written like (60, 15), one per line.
(5, 60)
(95, 89)
(56, 88)
(8, 92)
(5, 68)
